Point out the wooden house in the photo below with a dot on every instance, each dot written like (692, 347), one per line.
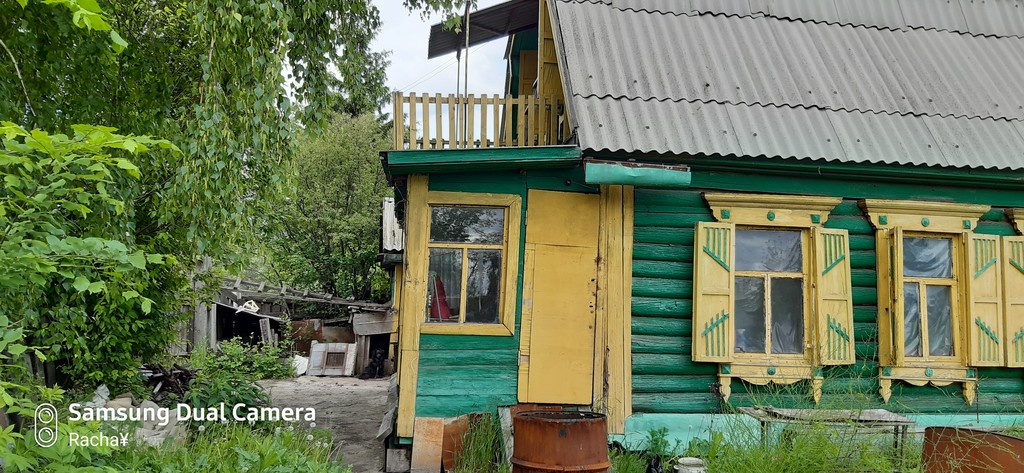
(679, 208)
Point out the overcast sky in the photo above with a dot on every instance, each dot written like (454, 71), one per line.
(406, 36)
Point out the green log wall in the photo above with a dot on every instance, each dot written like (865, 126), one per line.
(666, 380)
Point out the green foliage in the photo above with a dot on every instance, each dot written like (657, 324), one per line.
(627, 462)
(240, 360)
(326, 236)
(208, 391)
(71, 271)
(481, 447)
(235, 448)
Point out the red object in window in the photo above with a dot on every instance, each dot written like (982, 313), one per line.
(439, 309)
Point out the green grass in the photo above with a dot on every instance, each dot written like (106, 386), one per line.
(482, 450)
(237, 448)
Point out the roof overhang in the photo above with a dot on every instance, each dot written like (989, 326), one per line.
(424, 161)
(485, 25)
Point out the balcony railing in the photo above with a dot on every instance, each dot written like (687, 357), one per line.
(460, 122)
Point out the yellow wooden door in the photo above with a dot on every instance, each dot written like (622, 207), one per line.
(559, 298)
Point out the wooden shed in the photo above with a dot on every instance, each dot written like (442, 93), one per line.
(702, 206)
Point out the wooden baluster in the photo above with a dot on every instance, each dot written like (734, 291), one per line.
(413, 139)
(521, 125)
(507, 136)
(453, 132)
(438, 128)
(396, 103)
(470, 112)
(531, 120)
(553, 122)
(483, 121)
(497, 119)
(426, 121)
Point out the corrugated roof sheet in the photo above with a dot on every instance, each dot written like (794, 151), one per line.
(643, 80)
(485, 25)
(977, 17)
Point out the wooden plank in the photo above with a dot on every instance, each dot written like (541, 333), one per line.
(437, 113)
(397, 99)
(414, 142)
(601, 355)
(521, 125)
(507, 136)
(426, 121)
(427, 442)
(531, 120)
(496, 109)
(613, 225)
(627, 299)
(483, 120)
(471, 121)
(526, 324)
(413, 299)
(453, 131)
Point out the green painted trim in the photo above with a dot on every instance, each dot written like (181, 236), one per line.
(627, 174)
(742, 428)
(479, 159)
(893, 173)
(405, 440)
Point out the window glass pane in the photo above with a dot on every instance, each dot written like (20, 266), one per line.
(911, 320)
(769, 250)
(750, 316)
(940, 320)
(482, 287)
(444, 285)
(787, 315)
(928, 257)
(467, 225)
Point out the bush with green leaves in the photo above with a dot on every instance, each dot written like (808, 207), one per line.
(92, 297)
(237, 359)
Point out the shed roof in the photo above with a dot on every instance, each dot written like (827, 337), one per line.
(484, 25)
(874, 81)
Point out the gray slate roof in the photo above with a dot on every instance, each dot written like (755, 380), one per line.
(930, 82)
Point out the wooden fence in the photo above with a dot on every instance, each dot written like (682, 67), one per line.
(459, 122)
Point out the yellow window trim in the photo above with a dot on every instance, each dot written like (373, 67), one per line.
(923, 216)
(510, 261)
(795, 212)
(1017, 217)
(900, 219)
(771, 210)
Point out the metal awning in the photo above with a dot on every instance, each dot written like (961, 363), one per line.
(485, 25)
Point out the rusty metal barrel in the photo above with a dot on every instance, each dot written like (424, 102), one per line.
(963, 450)
(557, 441)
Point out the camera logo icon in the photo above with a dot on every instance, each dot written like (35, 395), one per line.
(46, 425)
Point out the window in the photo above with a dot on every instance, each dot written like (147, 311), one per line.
(769, 292)
(772, 292)
(472, 251)
(939, 294)
(464, 274)
(928, 298)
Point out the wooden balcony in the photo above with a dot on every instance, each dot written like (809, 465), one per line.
(461, 122)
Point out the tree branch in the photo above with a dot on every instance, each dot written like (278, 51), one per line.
(17, 71)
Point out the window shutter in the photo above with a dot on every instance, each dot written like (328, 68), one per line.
(984, 301)
(894, 291)
(713, 299)
(1013, 299)
(833, 299)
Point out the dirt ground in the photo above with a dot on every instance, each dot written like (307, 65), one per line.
(350, 407)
